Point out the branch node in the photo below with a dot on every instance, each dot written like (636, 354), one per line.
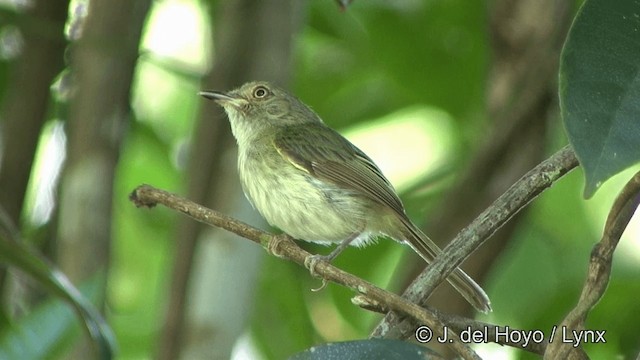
(369, 304)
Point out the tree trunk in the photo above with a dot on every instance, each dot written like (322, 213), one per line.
(103, 63)
(24, 108)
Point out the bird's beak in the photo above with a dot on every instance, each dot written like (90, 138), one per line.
(215, 95)
(223, 98)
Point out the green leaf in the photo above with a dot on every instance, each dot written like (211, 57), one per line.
(46, 331)
(600, 88)
(372, 349)
(20, 255)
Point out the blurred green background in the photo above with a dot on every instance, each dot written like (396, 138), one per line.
(433, 91)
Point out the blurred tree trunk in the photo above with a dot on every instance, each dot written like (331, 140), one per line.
(214, 276)
(103, 62)
(24, 108)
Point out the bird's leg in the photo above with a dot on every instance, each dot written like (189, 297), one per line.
(312, 261)
(340, 248)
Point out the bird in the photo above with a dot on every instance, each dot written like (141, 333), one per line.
(312, 183)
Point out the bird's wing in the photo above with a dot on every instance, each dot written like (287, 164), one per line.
(325, 154)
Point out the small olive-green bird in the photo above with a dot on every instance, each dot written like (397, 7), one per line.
(312, 183)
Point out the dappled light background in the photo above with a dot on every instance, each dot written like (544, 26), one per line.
(406, 81)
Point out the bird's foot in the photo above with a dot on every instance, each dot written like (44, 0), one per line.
(310, 262)
(273, 246)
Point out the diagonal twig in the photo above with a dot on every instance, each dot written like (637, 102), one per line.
(475, 234)
(599, 267)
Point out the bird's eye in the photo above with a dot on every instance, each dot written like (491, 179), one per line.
(260, 92)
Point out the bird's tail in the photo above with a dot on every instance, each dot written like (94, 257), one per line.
(462, 282)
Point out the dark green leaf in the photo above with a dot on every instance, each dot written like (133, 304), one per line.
(44, 332)
(20, 255)
(600, 88)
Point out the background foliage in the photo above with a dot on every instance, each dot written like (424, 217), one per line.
(417, 84)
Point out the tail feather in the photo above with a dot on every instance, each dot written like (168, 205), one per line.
(462, 282)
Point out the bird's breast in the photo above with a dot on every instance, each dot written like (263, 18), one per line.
(296, 202)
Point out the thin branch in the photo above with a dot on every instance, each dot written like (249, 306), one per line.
(504, 208)
(599, 266)
(470, 238)
(284, 247)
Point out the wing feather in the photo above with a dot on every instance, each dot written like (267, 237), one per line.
(325, 154)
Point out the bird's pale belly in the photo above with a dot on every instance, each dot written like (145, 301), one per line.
(302, 206)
